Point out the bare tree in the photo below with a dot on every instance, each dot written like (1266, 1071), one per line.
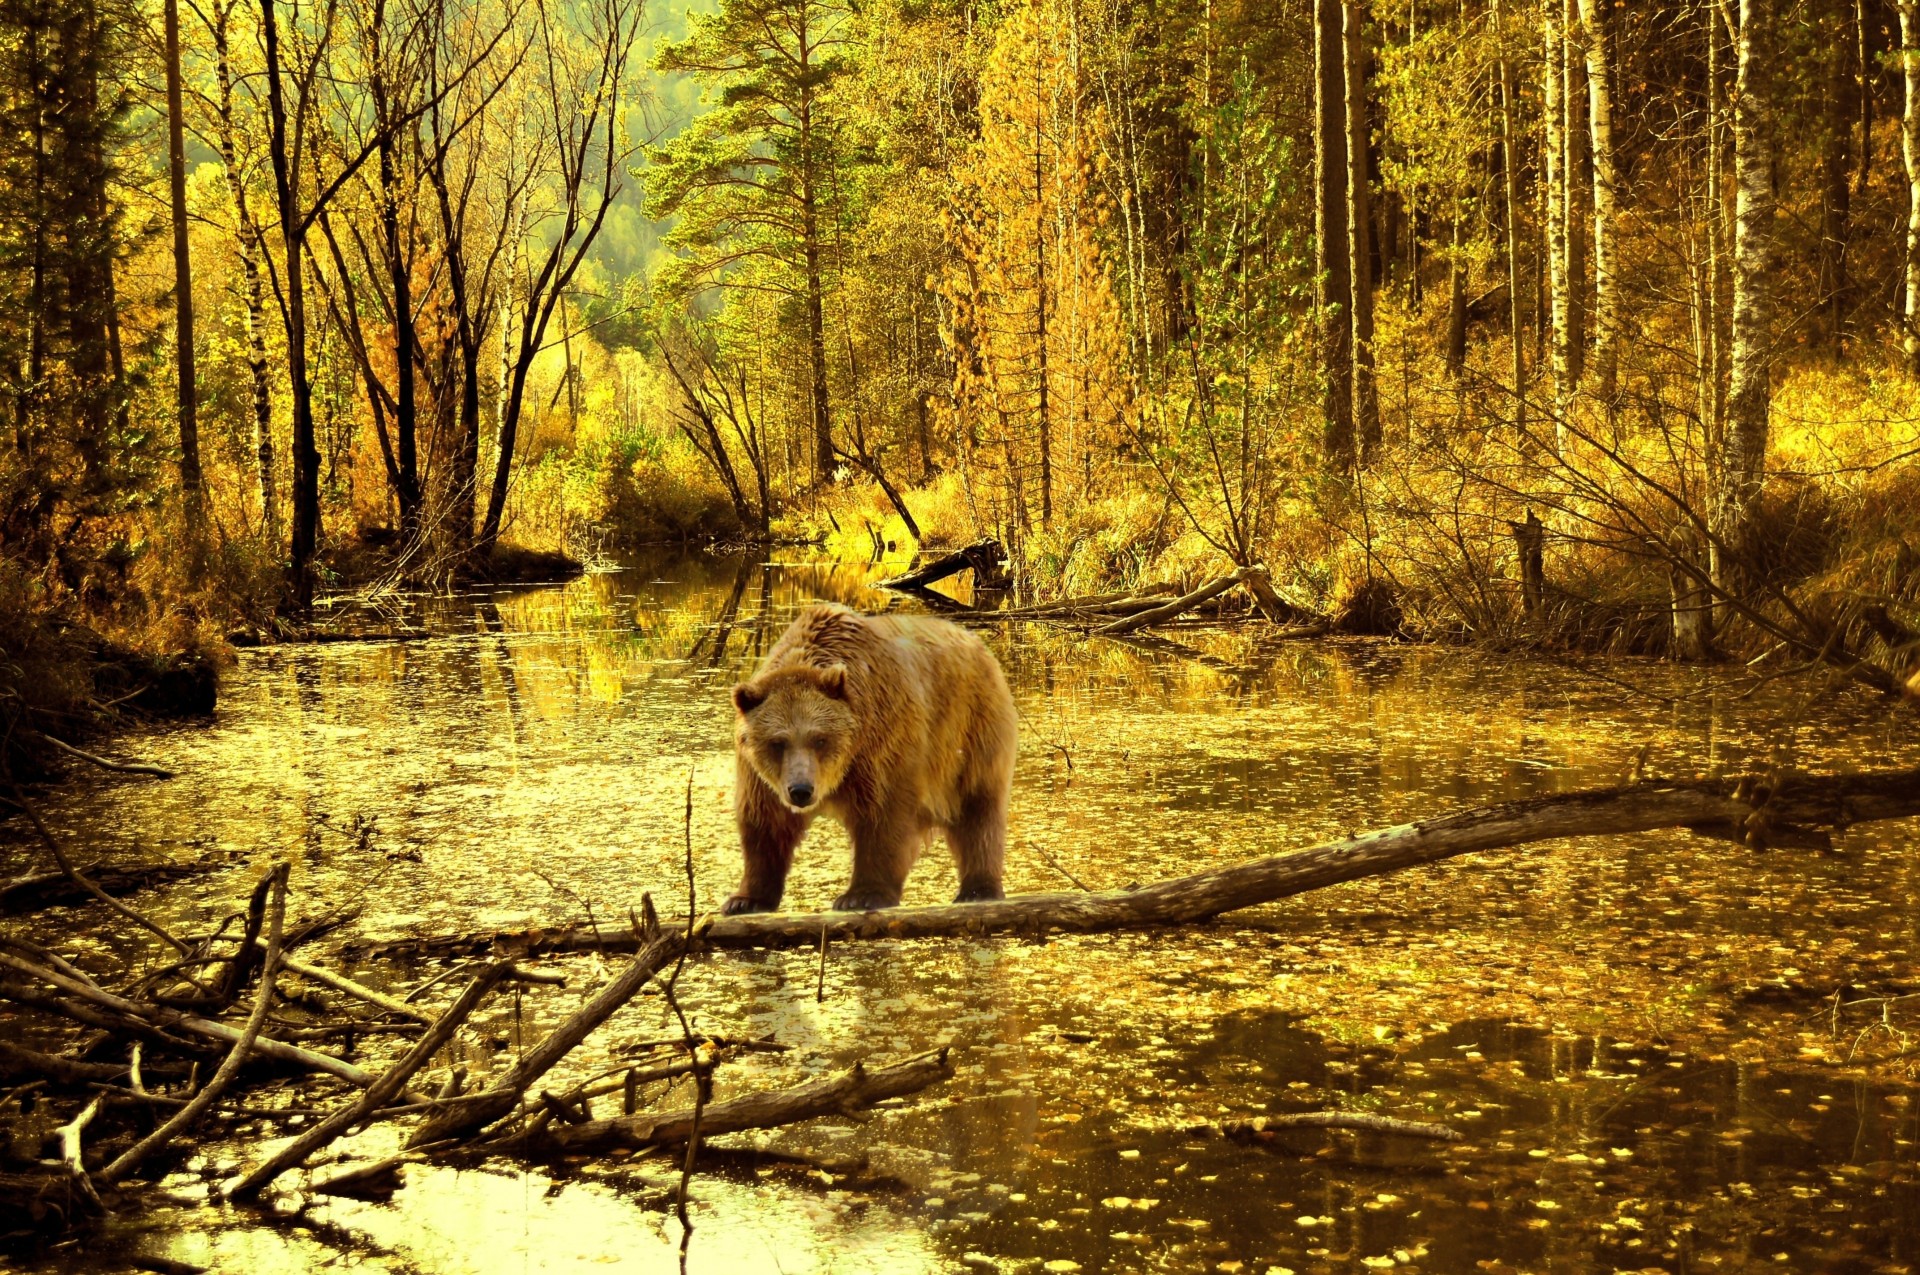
(580, 59)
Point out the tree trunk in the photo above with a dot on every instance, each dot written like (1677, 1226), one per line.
(1366, 394)
(1510, 183)
(1554, 145)
(187, 396)
(406, 411)
(1750, 390)
(1043, 415)
(1605, 366)
(306, 454)
(810, 247)
(251, 245)
(1333, 278)
(1836, 173)
(1713, 405)
(1457, 296)
(1910, 152)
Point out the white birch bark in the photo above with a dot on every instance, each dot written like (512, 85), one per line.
(1749, 390)
(1557, 184)
(1604, 369)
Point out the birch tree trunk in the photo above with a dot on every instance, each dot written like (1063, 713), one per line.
(1366, 394)
(252, 246)
(1510, 175)
(1749, 390)
(1604, 369)
(1553, 97)
(1333, 279)
(1910, 152)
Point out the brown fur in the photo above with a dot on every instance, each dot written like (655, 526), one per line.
(900, 726)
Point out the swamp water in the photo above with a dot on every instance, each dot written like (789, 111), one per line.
(1650, 1043)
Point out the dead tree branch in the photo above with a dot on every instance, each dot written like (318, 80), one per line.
(834, 1095)
(230, 1066)
(377, 1094)
(481, 1110)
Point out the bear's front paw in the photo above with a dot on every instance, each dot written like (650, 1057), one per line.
(979, 891)
(739, 903)
(863, 901)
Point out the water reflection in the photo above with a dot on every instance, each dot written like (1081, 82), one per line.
(1638, 1036)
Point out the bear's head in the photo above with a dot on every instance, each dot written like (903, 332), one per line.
(796, 730)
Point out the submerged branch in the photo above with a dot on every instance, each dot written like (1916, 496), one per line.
(850, 1091)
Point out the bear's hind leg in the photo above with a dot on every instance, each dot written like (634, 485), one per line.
(978, 839)
(769, 833)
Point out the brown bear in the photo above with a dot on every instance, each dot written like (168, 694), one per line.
(896, 726)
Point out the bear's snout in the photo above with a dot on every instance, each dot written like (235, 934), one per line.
(800, 794)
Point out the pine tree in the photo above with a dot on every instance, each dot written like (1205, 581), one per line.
(760, 181)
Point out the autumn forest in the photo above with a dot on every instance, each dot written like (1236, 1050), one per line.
(305, 294)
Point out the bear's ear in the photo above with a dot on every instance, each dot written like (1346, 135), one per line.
(747, 697)
(833, 680)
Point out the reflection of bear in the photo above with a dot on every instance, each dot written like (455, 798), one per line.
(897, 726)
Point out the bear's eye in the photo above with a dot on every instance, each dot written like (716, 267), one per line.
(818, 743)
(777, 745)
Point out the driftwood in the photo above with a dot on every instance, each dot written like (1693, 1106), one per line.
(1758, 812)
(834, 1095)
(86, 883)
(341, 983)
(1185, 602)
(210, 1092)
(377, 1094)
(474, 1113)
(1083, 607)
(118, 1013)
(122, 767)
(982, 557)
(72, 1151)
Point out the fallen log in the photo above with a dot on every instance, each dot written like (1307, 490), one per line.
(834, 1095)
(1185, 602)
(1758, 811)
(1084, 607)
(341, 983)
(982, 557)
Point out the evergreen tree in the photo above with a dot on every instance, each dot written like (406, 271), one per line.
(761, 180)
(59, 357)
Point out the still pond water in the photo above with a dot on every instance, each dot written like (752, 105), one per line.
(1651, 1043)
